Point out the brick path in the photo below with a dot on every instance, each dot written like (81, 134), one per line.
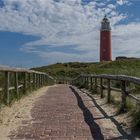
(63, 114)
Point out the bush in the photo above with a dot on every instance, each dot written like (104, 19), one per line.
(136, 116)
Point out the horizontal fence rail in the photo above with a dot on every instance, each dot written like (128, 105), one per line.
(104, 82)
(15, 82)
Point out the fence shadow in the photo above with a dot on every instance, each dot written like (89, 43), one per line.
(124, 134)
(94, 127)
(88, 117)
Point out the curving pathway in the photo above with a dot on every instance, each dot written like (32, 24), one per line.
(65, 113)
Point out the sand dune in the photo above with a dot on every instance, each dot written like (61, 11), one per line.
(12, 117)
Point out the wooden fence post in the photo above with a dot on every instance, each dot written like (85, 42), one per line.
(7, 84)
(37, 80)
(43, 79)
(124, 95)
(108, 91)
(29, 81)
(38, 75)
(25, 83)
(41, 82)
(101, 88)
(16, 85)
(95, 85)
(34, 80)
(91, 82)
(46, 79)
(87, 82)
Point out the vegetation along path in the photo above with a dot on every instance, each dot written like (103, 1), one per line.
(65, 113)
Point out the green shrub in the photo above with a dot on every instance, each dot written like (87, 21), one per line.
(136, 116)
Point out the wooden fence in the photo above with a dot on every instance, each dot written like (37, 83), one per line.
(104, 82)
(63, 80)
(15, 82)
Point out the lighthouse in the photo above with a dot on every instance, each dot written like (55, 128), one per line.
(105, 40)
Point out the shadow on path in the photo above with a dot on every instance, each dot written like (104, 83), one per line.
(88, 117)
(124, 134)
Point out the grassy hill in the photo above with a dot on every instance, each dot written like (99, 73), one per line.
(72, 69)
(119, 67)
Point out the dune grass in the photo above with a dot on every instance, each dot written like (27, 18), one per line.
(130, 67)
(73, 69)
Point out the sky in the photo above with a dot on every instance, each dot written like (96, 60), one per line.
(42, 32)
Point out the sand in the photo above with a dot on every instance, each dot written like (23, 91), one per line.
(11, 117)
(124, 120)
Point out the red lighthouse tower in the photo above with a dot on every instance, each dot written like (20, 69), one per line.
(105, 40)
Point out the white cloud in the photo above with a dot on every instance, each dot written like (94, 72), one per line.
(121, 2)
(126, 40)
(61, 24)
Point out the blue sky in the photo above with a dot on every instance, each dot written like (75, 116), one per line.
(42, 32)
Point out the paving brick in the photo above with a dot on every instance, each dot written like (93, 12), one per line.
(58, 115)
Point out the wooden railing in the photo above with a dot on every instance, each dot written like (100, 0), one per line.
(63, 80)
(15, 82)
(105, 82)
